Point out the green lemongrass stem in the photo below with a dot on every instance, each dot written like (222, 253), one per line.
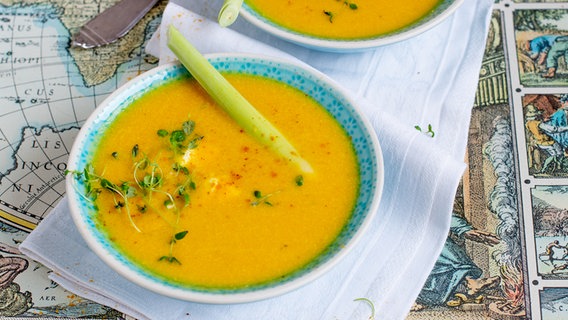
(229, 12)
(252, 121)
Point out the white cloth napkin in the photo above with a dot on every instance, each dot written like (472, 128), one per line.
(429, 79)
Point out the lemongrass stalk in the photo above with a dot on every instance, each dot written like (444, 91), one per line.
(250, 119)
(229, 12)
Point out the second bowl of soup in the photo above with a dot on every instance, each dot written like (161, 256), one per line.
(346, 25)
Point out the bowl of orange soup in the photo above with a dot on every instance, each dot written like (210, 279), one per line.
(346, 25)
(172, 194)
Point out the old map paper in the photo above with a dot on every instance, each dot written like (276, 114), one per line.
(47, 90)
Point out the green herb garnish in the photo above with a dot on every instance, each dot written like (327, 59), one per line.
(95, 184)
(299, 180)
(351, 5)
(135, 151)
(188, 127)
(148, 181)
(178, 138)
(170, 259)
(430, 131)
(329, 14)
(179, 168)
(176, 237)
(262, 198)
(183, 190)
(180, 235)
(371, 305)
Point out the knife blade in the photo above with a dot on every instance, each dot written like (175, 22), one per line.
(112, 23)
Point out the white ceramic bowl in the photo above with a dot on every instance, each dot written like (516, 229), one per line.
(442, 11)
(309, 81)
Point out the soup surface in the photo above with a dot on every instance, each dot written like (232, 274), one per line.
(340, 19)
(216, 209)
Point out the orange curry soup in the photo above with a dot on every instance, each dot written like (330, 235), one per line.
(243, 215)
(340, 19)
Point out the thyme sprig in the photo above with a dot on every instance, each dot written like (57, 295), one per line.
(148, 184)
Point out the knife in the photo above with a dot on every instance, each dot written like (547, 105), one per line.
(112, 23)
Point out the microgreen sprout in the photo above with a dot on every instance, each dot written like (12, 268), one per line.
(329, 14)
(299, 180)
(162, 132)
(351, 5)
(180, 235)
(371, 305)
(175, 238)
(170, 259)
(430, 131)
(169, 204)
(183, 190)
(177, 138)
(260, 198)
(89, 179)
(188, 127)
(148, 181)
(135, 151)
(178, 168)
(95, 184)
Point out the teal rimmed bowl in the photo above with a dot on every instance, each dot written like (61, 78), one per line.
(441, 12)
(308, 80)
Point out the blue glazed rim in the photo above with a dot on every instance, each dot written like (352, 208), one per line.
(439, 14)
(307, 79)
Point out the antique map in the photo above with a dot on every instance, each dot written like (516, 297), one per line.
(506, 256)
(47, 90)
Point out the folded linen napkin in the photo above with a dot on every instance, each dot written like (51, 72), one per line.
(429, 79)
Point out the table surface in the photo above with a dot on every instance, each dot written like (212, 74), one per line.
(513, 190)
